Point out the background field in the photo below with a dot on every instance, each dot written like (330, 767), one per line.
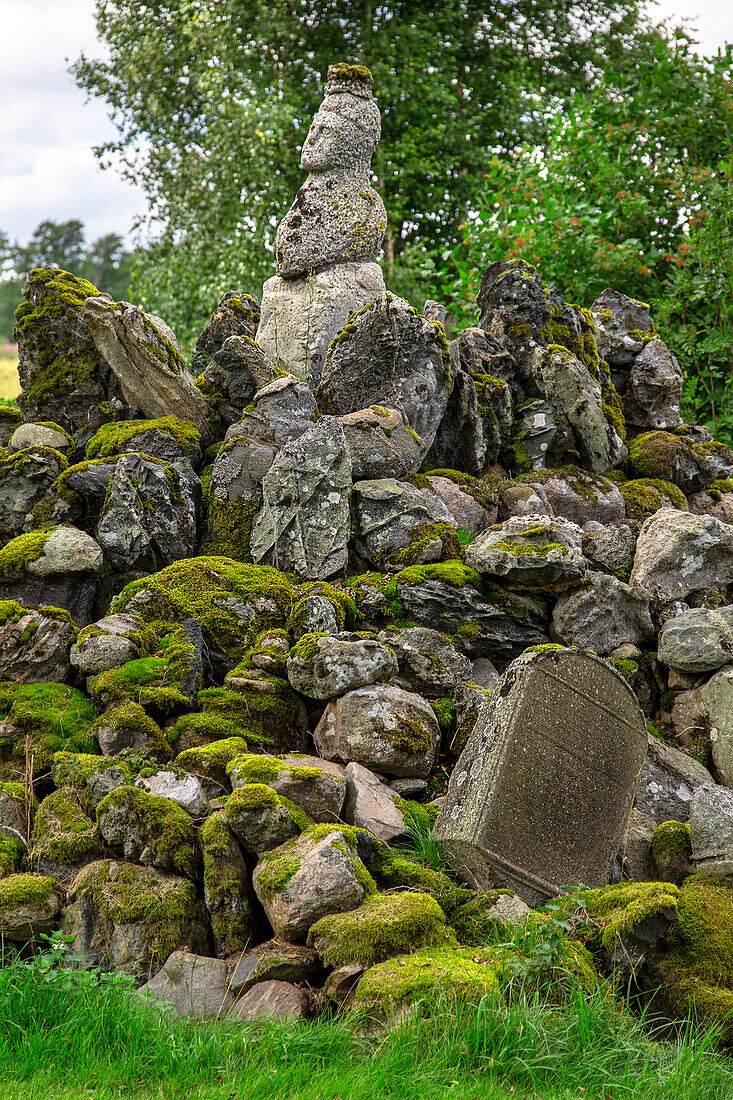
(9, 384)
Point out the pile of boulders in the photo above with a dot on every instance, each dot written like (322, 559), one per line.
(276, 620)
(244, 643)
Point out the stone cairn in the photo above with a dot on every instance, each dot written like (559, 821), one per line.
(265, 614)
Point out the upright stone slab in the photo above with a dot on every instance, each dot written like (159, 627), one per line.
(540, 795)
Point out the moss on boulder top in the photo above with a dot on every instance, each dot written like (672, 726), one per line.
(117, 438)
(234, 602)
(55, 717)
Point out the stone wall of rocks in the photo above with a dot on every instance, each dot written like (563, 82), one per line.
(257, 629)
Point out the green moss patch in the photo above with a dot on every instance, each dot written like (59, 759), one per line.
(24, 889)
(54, 716)
(115, 439)
(384, 925)
(617, 910)
(208, 589)
(62, 831)
(162, 906)
(644, 496)
(20, 551)
(226, 885)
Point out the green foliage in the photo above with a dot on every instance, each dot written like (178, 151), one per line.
(209, 99)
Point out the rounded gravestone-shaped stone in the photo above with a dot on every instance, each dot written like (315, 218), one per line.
(541, 794)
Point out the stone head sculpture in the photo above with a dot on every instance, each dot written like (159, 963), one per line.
(346, 128)
(336, 217)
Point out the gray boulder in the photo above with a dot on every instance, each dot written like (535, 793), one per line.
(428, 662)
(467, 512)
(621, 323)
(698, 640)
(274, 961)
(58, 569)
(34, 645)
(380, 444)
(33, 436)
(236, 371)
(409, 366)
(711, 830)
(227, 887)
(488, 621)
(307, 879)
(237, 314)
(389, 515)
(281, 411)
(271, 1000)
(149, 516)
(717, 696)
(654, 389)
(324, 667)
(610, 549)
(185, 790)
(25, 480)
(193, 985)
(304, 523)
(682, 553)
(260, 819)
(370, 805)
(384, 728)
(667, 782)
(113, 640)
(579, 496)
(148, 365)
(575, 397)
(531, 553)
(603, 614)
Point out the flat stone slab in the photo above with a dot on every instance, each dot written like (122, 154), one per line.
(542, 792)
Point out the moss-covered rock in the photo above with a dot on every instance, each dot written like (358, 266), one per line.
(645, 496)
(29, 906)
(64, 837)
(63, 376)
(384, 925)
(227, 892)
(671, 851)
(91, 777)
(394, 871)
(465, 973)
(695, 974)
(12, 857)
(261, 819)
(131, 918)
(167, 437)
(210, 762)
(233, 602)
(153, 830)
(54, 716)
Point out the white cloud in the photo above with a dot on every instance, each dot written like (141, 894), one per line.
(712, 19)
(47, 130)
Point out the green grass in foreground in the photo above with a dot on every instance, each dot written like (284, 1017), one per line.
(67, 1034)
(9, 381)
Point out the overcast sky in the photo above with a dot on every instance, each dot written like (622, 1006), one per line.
(47, 130)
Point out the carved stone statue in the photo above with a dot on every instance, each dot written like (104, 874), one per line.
(326, 244)
(337, 216)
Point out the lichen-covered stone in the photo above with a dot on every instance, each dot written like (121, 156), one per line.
(428, 662)
(337, 216)
(25, 480)
(56, 568)
(110, 642)
(668, 781)
(34, 644)
(622, 323)
(682, 553)
(654, 389)
(148, 366)
(322, 667)
(409, 366)
(602, 614)
(303, 526)
(193, 985)
(385, 728)
(380, 444)
(576, 398)
(698, 640)
(530, 553)
(317, 786)
(237, 314)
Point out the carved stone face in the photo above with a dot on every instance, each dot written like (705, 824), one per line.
(344, 134)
